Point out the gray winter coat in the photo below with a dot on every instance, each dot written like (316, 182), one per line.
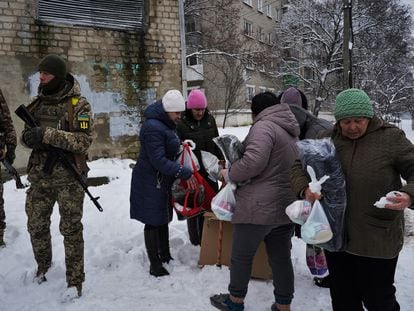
(270, 150)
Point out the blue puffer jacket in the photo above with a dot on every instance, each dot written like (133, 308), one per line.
(156, 168)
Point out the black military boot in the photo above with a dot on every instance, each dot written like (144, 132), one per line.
(151, 244)
(164, 244)
(2, 244)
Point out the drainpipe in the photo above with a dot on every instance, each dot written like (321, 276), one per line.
(183, 48)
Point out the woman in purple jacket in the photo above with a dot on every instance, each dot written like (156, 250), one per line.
(270, 149)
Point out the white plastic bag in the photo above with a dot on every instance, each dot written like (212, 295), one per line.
(299, 211)
(187, 158)
(316, 229)
(224, 202)
(381, 202)
(315, 185)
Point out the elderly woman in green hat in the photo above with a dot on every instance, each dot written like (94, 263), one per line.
(374, 156)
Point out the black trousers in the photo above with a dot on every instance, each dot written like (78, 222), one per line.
(357, 281)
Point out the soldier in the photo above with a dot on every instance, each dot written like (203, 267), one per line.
(7, 152)
(64, 119)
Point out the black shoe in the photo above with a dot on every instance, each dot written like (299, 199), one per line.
(158, 270)
(322, 282)
(166, 258)
(224, 303)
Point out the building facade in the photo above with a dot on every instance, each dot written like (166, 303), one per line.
(233, 70)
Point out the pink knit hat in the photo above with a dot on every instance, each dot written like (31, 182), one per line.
(196, 100)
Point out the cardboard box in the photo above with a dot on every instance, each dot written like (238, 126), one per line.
(212, 254)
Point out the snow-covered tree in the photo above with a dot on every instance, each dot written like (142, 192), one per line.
(311, 37)
(383, 59)
(221, 45)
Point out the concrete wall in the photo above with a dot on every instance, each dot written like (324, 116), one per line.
(120, 71)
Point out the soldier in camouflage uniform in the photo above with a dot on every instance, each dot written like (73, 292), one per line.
(7, 152)
(64, 119)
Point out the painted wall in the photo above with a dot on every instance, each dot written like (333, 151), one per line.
(120, 72)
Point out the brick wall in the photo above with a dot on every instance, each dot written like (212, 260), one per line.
(120, 71)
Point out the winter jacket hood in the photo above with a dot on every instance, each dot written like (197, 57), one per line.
(156, 111)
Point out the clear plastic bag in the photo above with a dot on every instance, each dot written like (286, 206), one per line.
(211, 164)
(316, 229)
(187, 158)
(224, 202)
(299, 211)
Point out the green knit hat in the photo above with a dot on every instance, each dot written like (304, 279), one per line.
(53, 64)
(353, 103)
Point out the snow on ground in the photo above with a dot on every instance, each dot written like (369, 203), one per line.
(117, 267)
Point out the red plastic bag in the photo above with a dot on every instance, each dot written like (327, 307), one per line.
(189, 202)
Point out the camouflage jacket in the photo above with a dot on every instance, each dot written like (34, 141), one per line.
(66, 119)
(6, 123)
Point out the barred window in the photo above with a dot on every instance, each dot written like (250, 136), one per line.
(113, 14)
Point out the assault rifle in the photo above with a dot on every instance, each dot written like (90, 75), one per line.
(7, 165)
(59, 154)
(13, 173)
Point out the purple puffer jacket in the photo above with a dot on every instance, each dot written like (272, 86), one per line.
(270, 150)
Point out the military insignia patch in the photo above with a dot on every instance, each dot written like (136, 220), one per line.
(75, 101)
(84, 121)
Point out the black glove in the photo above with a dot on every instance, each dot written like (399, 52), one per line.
(10, 153)
(33, 137)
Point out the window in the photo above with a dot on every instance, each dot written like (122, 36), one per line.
(194, 60)
(269, 38)
(260, 34)
(190, 25)
(250, 92)
(248, 28)
(113, 14)
(250, 64)
(270, 89)
(260, 5)
(248, 2)
(262, 68)
(269, 10)
(262, 89)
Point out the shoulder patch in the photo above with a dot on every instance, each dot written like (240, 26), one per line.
(84, 121)
(75, 101)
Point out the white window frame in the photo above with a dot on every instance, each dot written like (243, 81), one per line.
(248, 28)
(261, 34)
(269, 10)
(260, 5)
(262, 89)
(250, 92)
(248, 2)
(270, 89)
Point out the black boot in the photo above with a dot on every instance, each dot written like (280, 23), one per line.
(151, 244)
(164, 244)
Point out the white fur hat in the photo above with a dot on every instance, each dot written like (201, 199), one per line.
(173, 101)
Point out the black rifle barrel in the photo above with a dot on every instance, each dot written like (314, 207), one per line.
(25, 115)
(13, 173)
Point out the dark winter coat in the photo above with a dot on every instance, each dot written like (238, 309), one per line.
(202, 133)
(156, 168)
(373, 166)
(310, 126)
(270, 149)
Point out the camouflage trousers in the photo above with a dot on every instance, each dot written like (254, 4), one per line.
(39, 206)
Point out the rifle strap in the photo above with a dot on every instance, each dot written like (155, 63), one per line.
(80, 159)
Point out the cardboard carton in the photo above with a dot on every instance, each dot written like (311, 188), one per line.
(215, 253)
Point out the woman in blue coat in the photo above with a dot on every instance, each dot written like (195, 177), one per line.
(153, 175)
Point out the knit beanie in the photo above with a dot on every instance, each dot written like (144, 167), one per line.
(353, 103)
(292, 97)
(53, 64)
(196, 100)
(262, 101)
(173, 101)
